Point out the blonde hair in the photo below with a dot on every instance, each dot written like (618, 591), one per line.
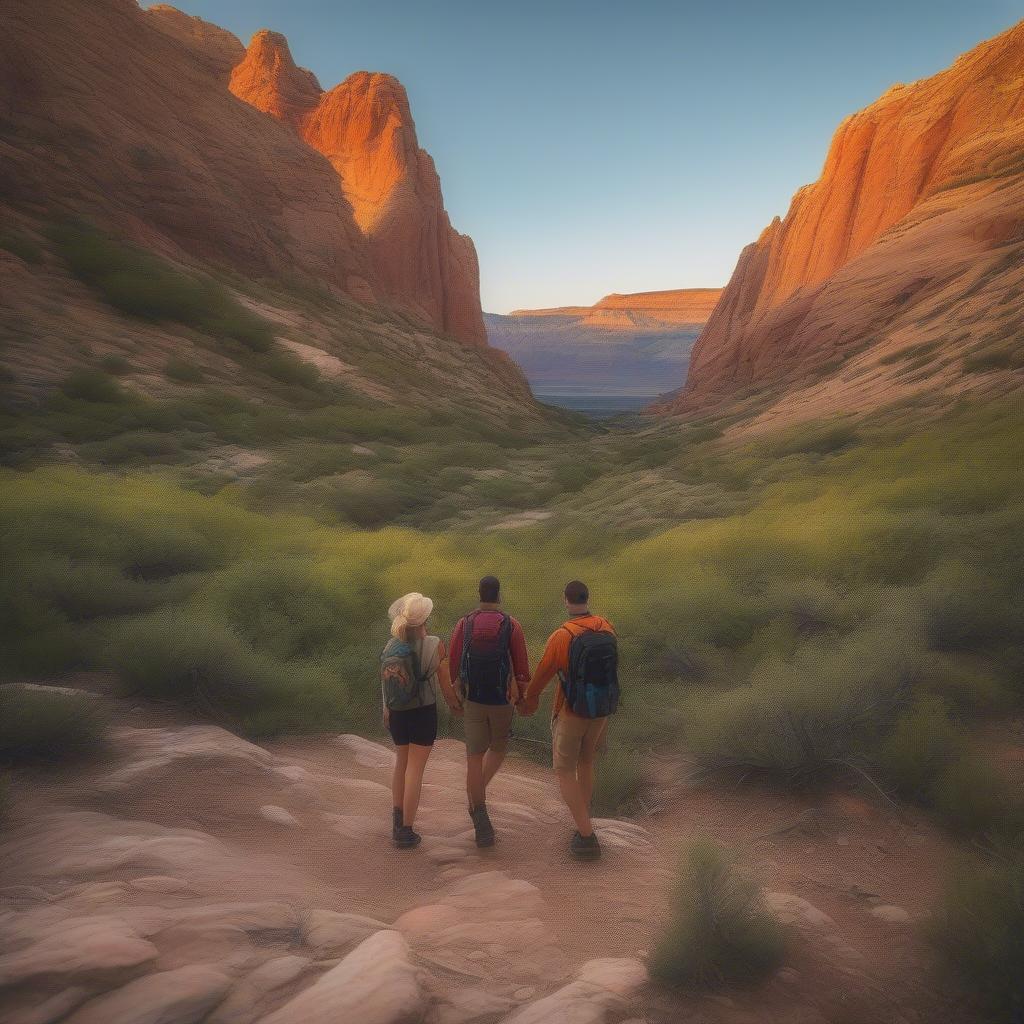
(409, 612)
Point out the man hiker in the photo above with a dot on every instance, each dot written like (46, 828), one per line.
(488, 663)
(583, 652)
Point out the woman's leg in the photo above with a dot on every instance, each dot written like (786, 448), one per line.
(398, 775)
(416, 764)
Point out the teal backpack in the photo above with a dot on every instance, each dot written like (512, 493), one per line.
(402, 683)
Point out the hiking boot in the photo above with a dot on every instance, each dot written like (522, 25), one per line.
(483, 826)
(406, 839)
(585, 847)
(396, 822)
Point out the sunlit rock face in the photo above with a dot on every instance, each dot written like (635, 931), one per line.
(935, 151)
(365, 129)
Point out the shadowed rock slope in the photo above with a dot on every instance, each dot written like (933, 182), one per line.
(909, 245)
(125, 116)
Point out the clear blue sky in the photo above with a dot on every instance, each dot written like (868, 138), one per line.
(591, 146)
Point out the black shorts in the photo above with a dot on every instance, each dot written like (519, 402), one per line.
(417, 725)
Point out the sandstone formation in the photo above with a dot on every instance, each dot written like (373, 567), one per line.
(127, 118)
(633, 345)
(918, 211)
(365, 129)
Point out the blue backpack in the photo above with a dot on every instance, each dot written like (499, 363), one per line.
(591, 685)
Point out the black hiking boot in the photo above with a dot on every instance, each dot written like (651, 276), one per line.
(483, 826)
(396, 823)
(406, 839)
(585, 847)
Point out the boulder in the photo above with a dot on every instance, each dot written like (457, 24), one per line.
(183, 996)
(375, 984)
(279, 816)
(329, 933)
(363, 751)
(602, 988)
(891, 914)
(78, 948)
(152, 753)
(244, 1002)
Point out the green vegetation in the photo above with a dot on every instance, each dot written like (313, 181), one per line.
(720, 932)
(978, 932)
(142, 285)
(42, 727)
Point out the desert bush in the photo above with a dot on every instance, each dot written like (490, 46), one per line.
(720, 932)
(116, 365)
(92, 386)
(143, 285)
(192, 658)
(145, 446)
(21, 245)
(804, 721)
(997, 358)
(923, 745)
(978, 932)
(182, 371)
(972, 796)
(619, 780)
(41, 726)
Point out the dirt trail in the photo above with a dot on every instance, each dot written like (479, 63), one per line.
(298, 828)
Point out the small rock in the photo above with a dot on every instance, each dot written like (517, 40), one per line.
(279, 816)
(602, 988)
(524, 993)
(365, 752)
(795, 910)
(184, 996)
(52, 1009)
(375, 984)
(469, 1006)
(329, 933)
(788, 975)
(891, 914)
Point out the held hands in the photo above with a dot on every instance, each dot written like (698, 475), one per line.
(456, 708)
(386, 715)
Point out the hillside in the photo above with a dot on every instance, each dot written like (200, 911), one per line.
(165, 156)
(897, 272)
(633, 345)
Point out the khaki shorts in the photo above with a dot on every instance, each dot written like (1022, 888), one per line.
(487, 726)
(575, 739)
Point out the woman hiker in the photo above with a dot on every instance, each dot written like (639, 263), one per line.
(411, 666)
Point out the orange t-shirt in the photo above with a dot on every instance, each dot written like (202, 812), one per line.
(556, 659)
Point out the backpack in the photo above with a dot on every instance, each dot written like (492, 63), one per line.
(402, 683)
(591, 685)
(486, 662)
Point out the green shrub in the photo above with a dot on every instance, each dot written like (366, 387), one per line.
(974, 797)
(21, 246)
(134, 446)
(994, 359)
(923, 745)
(189, 658)
(143, 285)
(619, 780)
(92, 386)
(287, 368)
(805, 721)
(116, 365)
(720, 932)
(183, 371)
(40, 726)
(978, 932)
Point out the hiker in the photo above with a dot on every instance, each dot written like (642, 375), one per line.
(583, 652)
(411, 666)
(489, 662)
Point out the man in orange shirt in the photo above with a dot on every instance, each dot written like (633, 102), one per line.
(583, 653)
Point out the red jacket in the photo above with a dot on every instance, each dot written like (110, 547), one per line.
(487, 623)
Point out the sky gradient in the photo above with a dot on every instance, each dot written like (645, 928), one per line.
(592, 147)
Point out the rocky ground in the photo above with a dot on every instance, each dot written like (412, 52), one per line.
(193, 876)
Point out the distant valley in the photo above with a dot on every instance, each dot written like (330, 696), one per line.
(614, 356)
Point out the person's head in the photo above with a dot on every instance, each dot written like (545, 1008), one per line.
(577, 595)
(409, 616)
(490, 590)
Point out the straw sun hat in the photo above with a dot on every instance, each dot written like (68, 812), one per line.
(410, 610)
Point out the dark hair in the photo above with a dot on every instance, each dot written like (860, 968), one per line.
(489, 589)
(576, 592)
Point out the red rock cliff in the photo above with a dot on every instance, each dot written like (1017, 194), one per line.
(365, 129)
(884, 165)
